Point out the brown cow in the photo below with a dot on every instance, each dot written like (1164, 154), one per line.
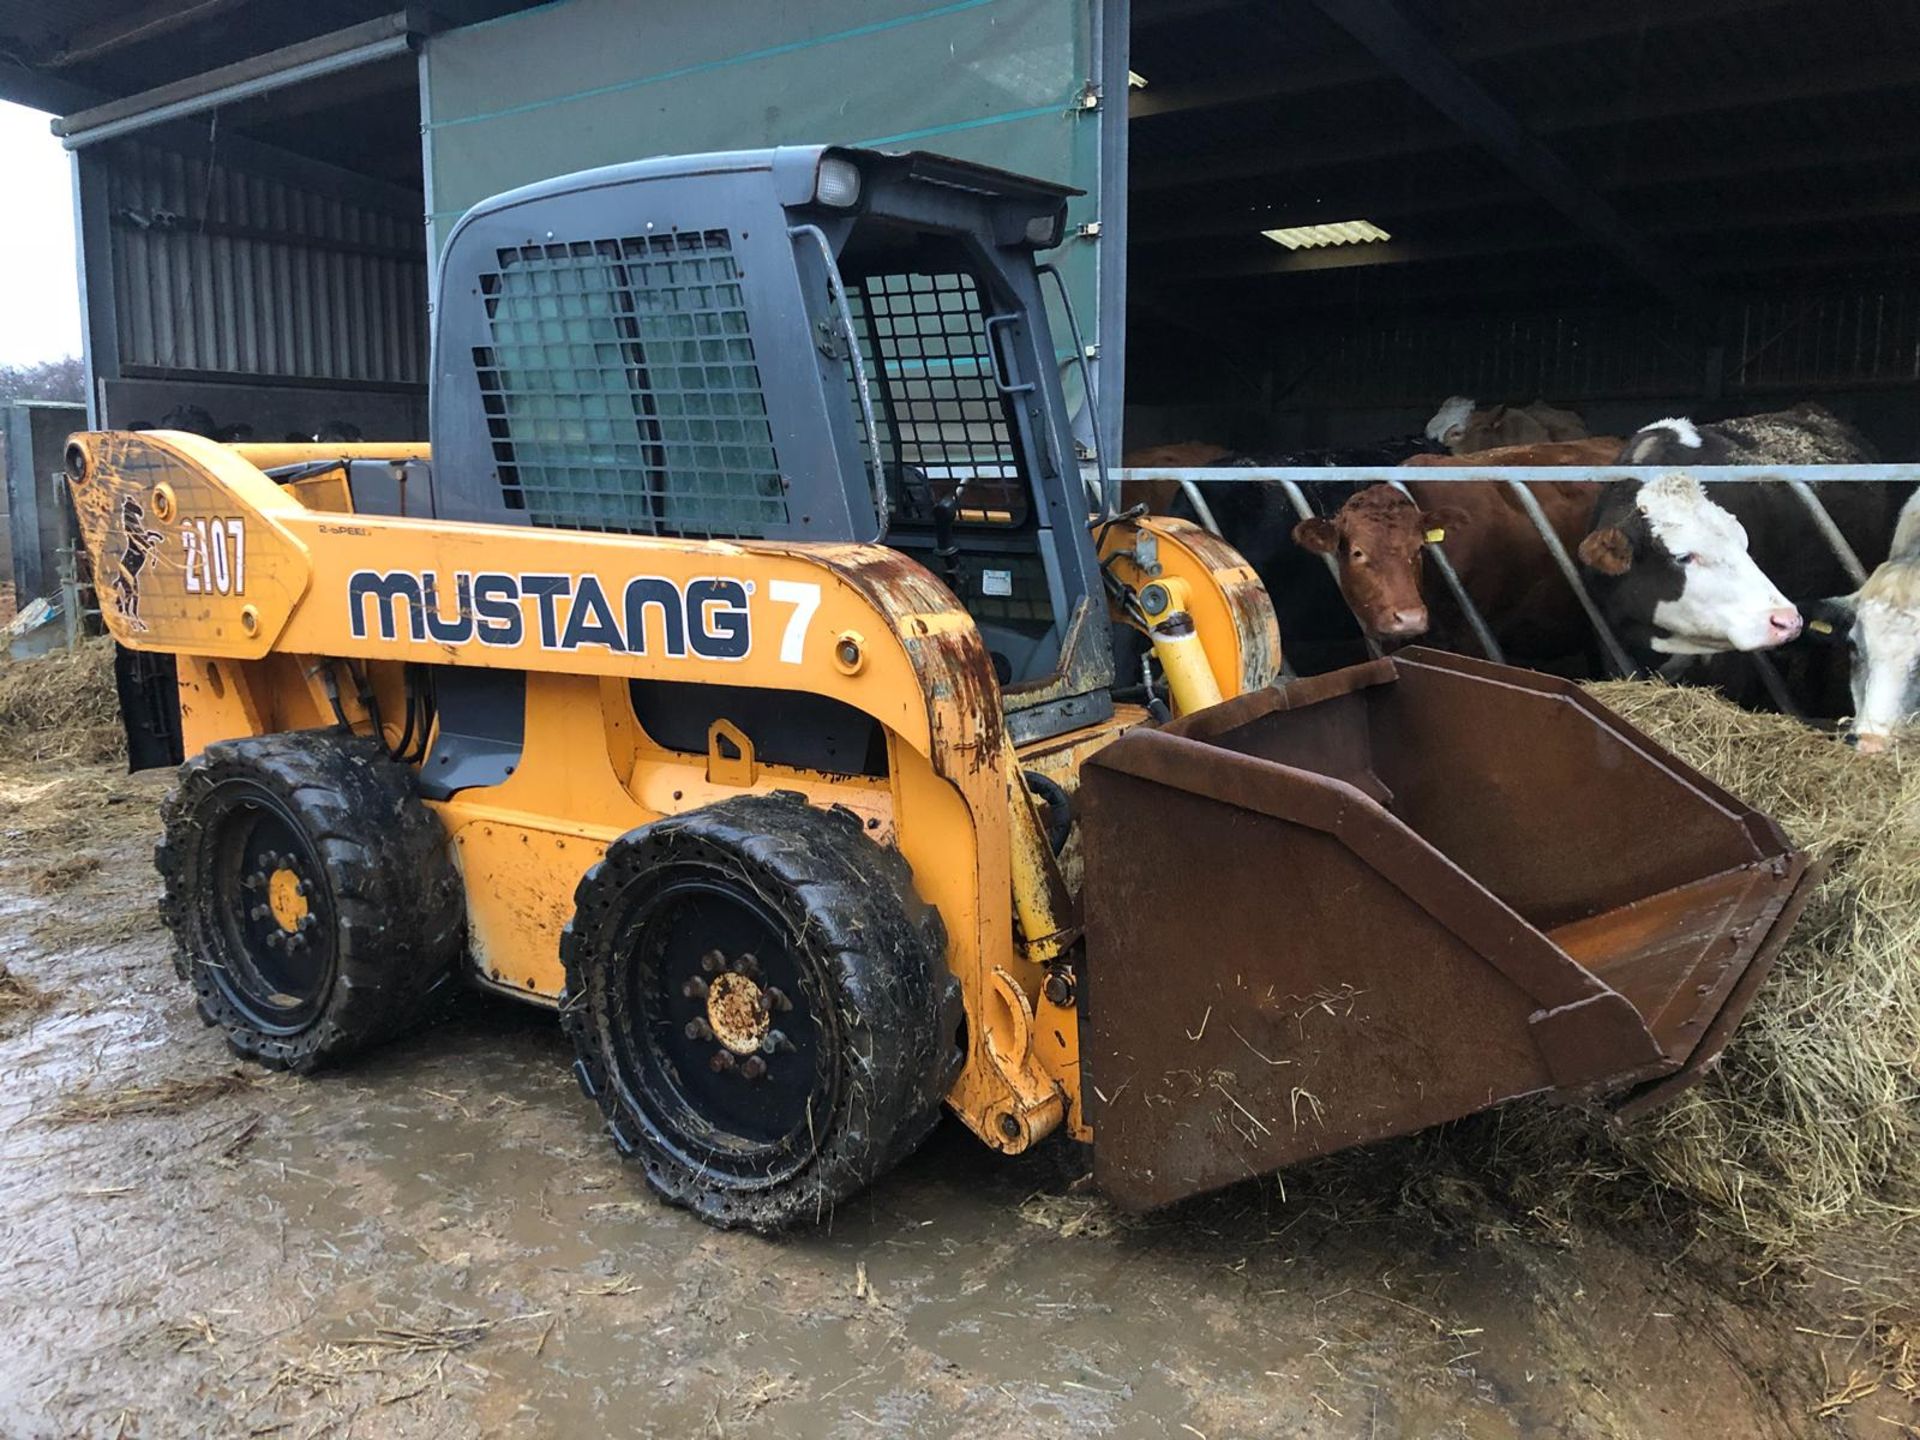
(1159, 495)
(1465, 430)
(1377, 537)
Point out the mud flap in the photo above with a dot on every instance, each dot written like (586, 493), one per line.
(1369, 902)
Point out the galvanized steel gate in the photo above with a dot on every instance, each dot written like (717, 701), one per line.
(1801, 479)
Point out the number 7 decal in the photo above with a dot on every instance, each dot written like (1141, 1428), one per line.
(805, 599)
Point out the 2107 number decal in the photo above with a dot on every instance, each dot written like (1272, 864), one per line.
(215, 555)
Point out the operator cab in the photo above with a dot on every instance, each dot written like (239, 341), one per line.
(808, 344)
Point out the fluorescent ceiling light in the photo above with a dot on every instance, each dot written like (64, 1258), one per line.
(1313, 237)
(1135, 80)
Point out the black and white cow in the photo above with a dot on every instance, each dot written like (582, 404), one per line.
(1805, 434)
(1881, 625)
(1771, 527)
(1670, 570)
(1776, 520)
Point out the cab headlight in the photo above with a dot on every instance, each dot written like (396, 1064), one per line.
(838, 183)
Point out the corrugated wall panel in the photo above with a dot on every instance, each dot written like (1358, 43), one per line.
(219, 271)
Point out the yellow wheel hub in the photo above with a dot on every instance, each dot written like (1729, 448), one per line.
(287, 898)
(738, 1014)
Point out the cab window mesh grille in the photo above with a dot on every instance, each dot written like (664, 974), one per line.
(621, 390)
(939, 412)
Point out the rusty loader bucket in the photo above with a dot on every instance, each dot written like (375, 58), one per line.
(1367, 902)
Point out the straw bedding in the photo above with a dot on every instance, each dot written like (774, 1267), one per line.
(1812, 1117)
(61, 707)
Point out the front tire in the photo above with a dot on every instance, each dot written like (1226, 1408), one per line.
(313, 907)
(760, 1007)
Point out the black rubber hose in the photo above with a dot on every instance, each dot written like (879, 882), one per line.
(1059, 808)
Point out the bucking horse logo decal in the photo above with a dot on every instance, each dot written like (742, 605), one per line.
(141, 542)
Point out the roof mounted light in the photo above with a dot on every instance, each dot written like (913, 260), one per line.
(1314, 237)
(838, 183)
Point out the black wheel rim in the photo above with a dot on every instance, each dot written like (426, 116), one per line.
(719, 1036)
(269, 915)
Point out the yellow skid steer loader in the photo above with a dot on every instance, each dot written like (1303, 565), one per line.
(748, 673)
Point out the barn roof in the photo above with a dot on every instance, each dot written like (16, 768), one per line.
(1686, 145)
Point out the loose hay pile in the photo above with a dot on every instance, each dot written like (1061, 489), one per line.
(1813, 1115)
(61, 707)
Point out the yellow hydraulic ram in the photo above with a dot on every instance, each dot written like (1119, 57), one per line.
(1177, 645)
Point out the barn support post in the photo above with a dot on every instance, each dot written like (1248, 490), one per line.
(1112, 30)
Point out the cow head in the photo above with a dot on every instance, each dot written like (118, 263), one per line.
(1880, 624)
(1673, 573)
(1448, 427)
(1376, 539)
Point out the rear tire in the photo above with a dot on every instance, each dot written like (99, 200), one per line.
(313, 907)
(760, 1007)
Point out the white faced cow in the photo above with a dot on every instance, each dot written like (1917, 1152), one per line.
(1466, 429)
(1881, 624)
(1671, 572)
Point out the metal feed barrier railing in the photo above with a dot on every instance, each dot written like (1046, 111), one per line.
(1800, 479)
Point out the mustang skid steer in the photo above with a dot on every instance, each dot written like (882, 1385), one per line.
(737, 675)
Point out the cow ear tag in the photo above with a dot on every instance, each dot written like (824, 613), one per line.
(1820, 627)
(1435, 536)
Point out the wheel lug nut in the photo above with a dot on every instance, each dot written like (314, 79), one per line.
(276, 940)
(713, 962)
(699, 1029)
(753, 1067)
(779, 998)
(774, 1042)
(694, 989)
(307, 922)
(722, 1060)
(746, 965)
(259, 912)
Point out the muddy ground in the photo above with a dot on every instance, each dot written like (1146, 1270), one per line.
(439, 1243)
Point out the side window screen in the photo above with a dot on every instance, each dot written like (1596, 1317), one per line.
(942, 422)
(621, 389)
